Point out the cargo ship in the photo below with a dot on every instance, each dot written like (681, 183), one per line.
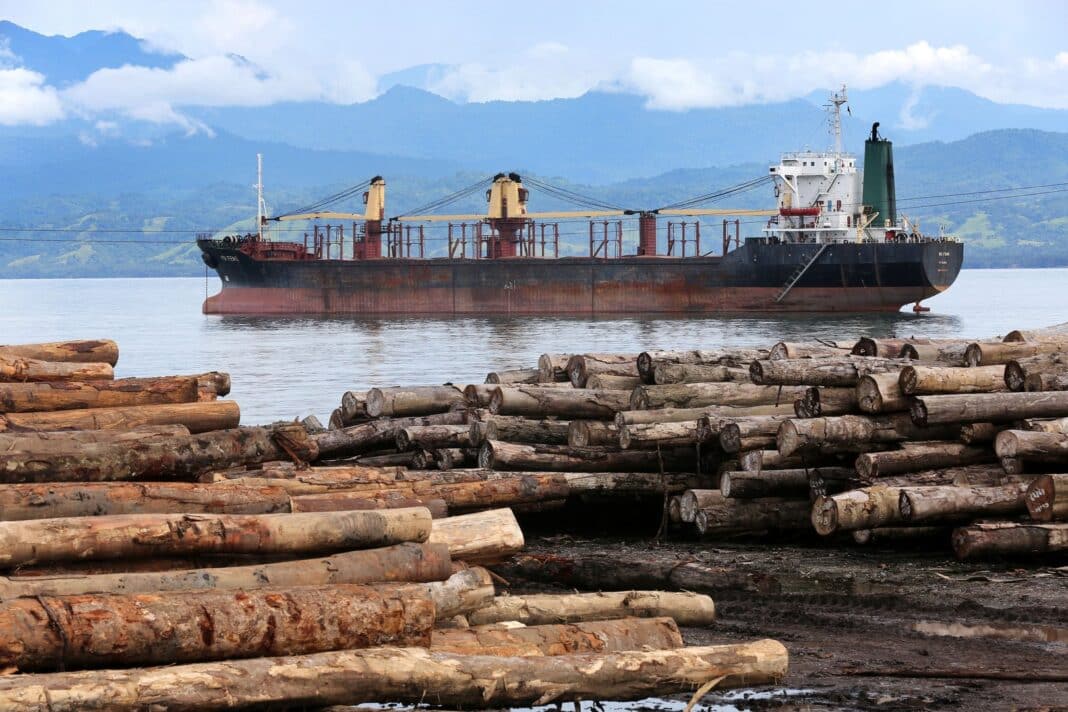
(835, 242)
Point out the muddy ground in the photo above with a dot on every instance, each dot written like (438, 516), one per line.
(876, 627)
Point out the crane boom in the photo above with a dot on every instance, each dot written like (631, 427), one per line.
(717, 211)
(325, 215)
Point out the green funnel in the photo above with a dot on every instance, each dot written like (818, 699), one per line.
(879, 193)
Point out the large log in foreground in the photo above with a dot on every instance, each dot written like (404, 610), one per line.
(198, 417)
(98, 630)
(920, 456)
(1031, 446)
(418, 400)
(18, 369)
(65, 441)
(401, 675)
(853, 432)
(985, 540)
(74, 395)
(700, 395)
(1047, 498)
(842, 372)
(932, 380)
(94, 351)
(537, 609)
(400, 563)
(988, 407)
(534, 402)
(479, 538)
(146, 535)
(865, 508)
(952, 503)
(510, 639)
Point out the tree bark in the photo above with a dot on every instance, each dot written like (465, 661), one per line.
(865, 508)
(581, 366)
(608, 382)
(809, 349)
(433, 436)
(699, 395)
(649, 436)
(413, 401)
(919, 456)
(751, 515)
(517, 375)
(1047, 498)
(534, 402)
(65, 441)
(177, 457)
(376, 435)
(97, 351)
(496, 455)
(1031, 446)
(75, 395)
(96, 630)
(588, 433)
(382, 499)
(986, 540)
(988, 407)
(688, 609)
(777, 483)
(835, 372)
(400, 675)
(881, 393)
(19, 369)
(817, 401)
(197, 417)
(668, 373)
(517, 429)
(480, 538)
(933, 380)
(843, 431)
(678, 415)
(510, 640)
(953, 504)
(552, 368)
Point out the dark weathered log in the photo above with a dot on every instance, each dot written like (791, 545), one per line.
(508, 639)
(978, 433)
(1001, 352)
(587, 433)
(693, 500)
(678, 415)
(882, 348)
(668, 373)
(856, 432)
(744, 434)
(946, 352)
(699, 395)
(192, 626)
(75, 395)
(675, 509)
(778, 483)
(337, 420)
(404, 562)
(1037, 382)
(400, 675)
(581, 366)
(376, 435)
(61, 441)
(917, 456)
(753, 515)
(1017, 371)
(516, 375)
(1047, 498)
(630, 483)
(433, 436)
(20, 369)
(534, 402)
(1032, 446)
(988, 407)
(993, 539)
(480, 538)
(840, 372)
(497, 455)
(96, 351)
(824, 481)
(1055, 425)
(933, 380)
(539, 609)
(213, 384)
(954, 504)
(197, 417)
(451, 458)
(609, 382)
(517, 429)
(880, 393)
(758, 460)
(363, 500)
(646, 436)
(88, 499)
(865, 508)
(809, 349)
(817, 401)
(176, 457)
(901, 535)
(734, 358)
(354, 407)
(413, 401)
(552, 368)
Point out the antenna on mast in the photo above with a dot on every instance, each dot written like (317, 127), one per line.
(834, 106)
(261, 207)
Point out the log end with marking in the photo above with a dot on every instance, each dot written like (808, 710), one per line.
(1040, 498)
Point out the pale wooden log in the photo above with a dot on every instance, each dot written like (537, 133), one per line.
(693, 500)
(1056, 425)
(1047, 498)
(514, 639)
(1057, 332)
(517, 429)
(880, 393)
(745, 434)
(646, 436)
(433, 436)
(552, 368)
(1037, 382)
(403, 562)
(946, 352)
(839, 372)
(978, 433)
(777, 483)
(631, 483)
(466, 590)
(19, 369)
(865, 508)
(413, 401)
(844, 431)
(1017, 371)
(75, 395)
(400, 675)
(586, 433)
(1001, 352)
(481, 538)
(145, 535)
(377, 434)
(668, 373)
(953, 503)
(609, 382)
(688, 609)
(95, 351)
(199, 417)
(699, 395)
(933, 380)
(60, 441)
(985, 540)
(817, 401)
(176, 457)
(558, 458)
(516, 375)
(87, 499)
(354, 407)
(192, 626)
(918, 456)
(753, 515)
(364, 500)
(537, 402)
(988, 407)
(581, 366)
(678, 415)
(809, 349)
(1031, 446)
(734, 358)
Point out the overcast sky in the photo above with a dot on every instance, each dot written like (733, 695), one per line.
(678, 54)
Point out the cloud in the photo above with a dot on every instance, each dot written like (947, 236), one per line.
(26, 99)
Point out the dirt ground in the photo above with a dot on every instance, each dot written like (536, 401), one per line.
(877, 627)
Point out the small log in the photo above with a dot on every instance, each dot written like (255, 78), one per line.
(759, 460)
(516, 375)
(934, 380)
(581, 366)
(517, 429)
(376, 435)
(988, 407)
(510, 639)
(96, 630)
(946, 352)
(534, 402)
(352, 501)
(1057, 332)
(698, 395)
(881, 348)
(777, 483)
(986, 540)
(587, 433)
(745, 434)
(881, 393)
(465, 591)
(688, 609)
(497, 455)
(199, 417)
(1055, 425)
(75, 395)
(647, 436)
(1001, 352)
(413, 401)
(1017, 371)
(678, 415)
(694, 500)
(953, 503)
(979, 433)
(480, 538)
(399, 675)
(65, 441)
(809, 349)
(920, 456)
(631, 483)
(753, 515)
(433, 436)
(609, 382)
(552, 368)
(668, 373)
(1031, 446)
(837, 372)
(1037, 382)
(19, 369)
(865, 508)
(95, 351)
(451, 458)
(354, 407)
(735, 358)
(856, 432)
(1047, 498)
(817, 401)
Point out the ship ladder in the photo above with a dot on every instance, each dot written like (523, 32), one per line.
(799, 273)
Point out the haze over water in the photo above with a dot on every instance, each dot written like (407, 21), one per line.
(287, 367)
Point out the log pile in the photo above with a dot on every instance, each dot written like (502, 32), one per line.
(147, 539)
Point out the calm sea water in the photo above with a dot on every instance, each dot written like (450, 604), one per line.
(285, 367)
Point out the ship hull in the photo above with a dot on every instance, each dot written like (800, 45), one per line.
(848, 277)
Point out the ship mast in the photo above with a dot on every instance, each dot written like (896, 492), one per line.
(835, 107)
(261, 207)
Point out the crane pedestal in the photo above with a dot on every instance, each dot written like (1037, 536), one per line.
(647, 234)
